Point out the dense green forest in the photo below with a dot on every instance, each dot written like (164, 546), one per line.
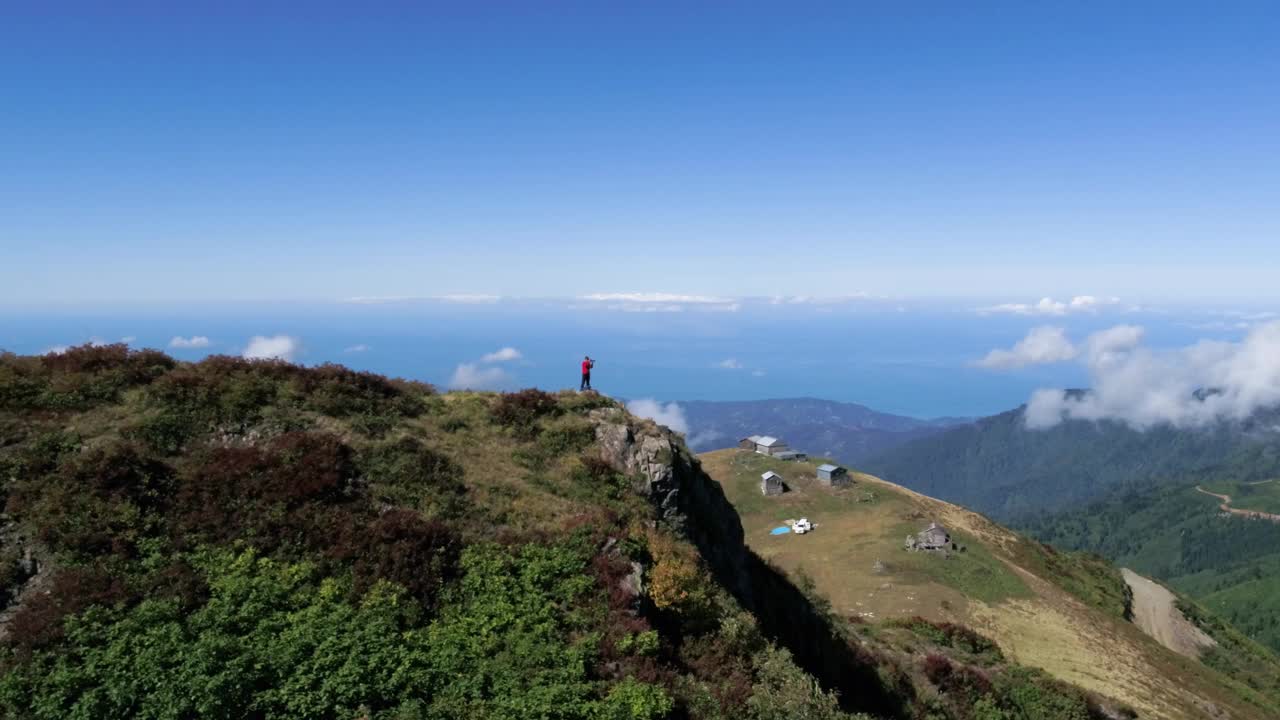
(254, 539)
(1000, 467)
(1229, 564)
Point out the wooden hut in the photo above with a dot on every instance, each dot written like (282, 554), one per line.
(771, 483)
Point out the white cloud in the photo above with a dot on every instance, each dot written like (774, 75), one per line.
(195, 341)
(727, 307)
(378, 299)
(1049, 306)
(707, 438)
(470, 376)
(642, 308)
(461, 298)
(730, 364)
(281, 347)
(1113, 344)
(470, 299)
(356, 348)
(506, 354)
(55, 350)
(128, 339)
(654, 298)
(656, 302)
(1042, 345)
(1191, 386)
(823, 299)
(757, 373)
(671, 414)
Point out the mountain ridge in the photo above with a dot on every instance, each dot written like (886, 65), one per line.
(998, 465)
(849, 431)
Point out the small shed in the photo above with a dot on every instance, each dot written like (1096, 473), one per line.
(769, 445)
(829, 474)
(771, 483)
(749, 443)
(791, 455)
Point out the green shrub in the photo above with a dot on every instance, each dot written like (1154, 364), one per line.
(633, 700)
(77, 378)
(783, 691)
(583, 402)
(951, 635)
(407, 473)
(567, 435)
(1029, 693)
(644, 643)
(165, 432)
(282, 640)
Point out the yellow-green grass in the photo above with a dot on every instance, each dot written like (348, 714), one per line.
(857, 527)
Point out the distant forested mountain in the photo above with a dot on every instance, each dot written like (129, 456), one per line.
(846, 431)
(1228, 563)
(998, 466)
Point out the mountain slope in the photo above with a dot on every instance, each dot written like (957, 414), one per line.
(247, 539)
(1000, 467)
(1067, 614)
(847, 431)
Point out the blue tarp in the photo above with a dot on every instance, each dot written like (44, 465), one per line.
(780, 530)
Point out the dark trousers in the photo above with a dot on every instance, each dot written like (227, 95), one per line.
(586, 382)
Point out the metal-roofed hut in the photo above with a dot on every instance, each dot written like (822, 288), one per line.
(834, 475)
(769, 445)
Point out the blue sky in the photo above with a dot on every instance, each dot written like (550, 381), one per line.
(164, 154)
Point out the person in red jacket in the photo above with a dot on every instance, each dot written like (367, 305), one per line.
(587, 364)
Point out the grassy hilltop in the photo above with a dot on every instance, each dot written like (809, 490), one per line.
(253, 539)
(1067, 613)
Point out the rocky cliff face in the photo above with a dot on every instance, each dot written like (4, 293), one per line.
(685, 498)
(689, 501)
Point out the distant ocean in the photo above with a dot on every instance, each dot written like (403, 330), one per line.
(915, 361)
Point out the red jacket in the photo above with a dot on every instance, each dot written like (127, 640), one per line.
(586, 367)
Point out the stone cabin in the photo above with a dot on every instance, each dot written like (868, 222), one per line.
(934, 537)
(833, 475)
(771, 483)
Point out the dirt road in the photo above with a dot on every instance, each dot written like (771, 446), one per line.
(1226, 506)
(1155, 612)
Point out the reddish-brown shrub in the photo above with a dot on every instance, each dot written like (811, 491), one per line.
(938, 668)
(135, 366)
(99, 502)
(597, 468)
(727, 674)
(38, 622)
(274, 495)
(340, 392)
(521, 409)
(402, 547)
(181, 581)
